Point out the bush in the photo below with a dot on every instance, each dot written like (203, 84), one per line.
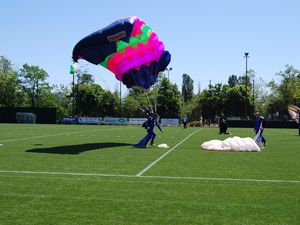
(195, 124)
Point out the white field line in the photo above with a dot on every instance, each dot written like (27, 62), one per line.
(151, 177)
(53, 135)
(166, 153)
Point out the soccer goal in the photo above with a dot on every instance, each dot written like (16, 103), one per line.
(25, 117)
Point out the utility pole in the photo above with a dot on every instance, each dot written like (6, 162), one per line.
(120, 99)
(246, 96)
(253, 97)
(73, 91)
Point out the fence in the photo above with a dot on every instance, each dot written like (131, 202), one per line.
(43, 115)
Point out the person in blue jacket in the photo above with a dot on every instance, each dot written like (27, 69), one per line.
(259, 128)
(149, 125)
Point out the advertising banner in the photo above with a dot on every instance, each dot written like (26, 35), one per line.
(171, 122)
(137, 121)
(115, 121)
(89, 120)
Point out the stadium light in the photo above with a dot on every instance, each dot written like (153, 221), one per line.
(169, 69)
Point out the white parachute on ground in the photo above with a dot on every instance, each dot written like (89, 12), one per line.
(163, 146)
(232, 144)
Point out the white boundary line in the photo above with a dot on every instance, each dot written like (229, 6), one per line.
(151, 177)
(53, 135)
(166, 153)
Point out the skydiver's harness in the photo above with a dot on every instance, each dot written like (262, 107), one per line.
(149, 124)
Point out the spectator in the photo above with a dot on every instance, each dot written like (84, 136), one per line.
(184, 121)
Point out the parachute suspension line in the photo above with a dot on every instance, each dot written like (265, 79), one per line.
(155, 89)
(151, 100)
(146, 106)
(149, 103)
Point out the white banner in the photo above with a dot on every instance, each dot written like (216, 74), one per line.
(89, 120)
(173, 122)
(115, 121)
(137, 121)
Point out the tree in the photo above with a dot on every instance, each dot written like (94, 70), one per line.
(233, 81)
(108, 106)
(210, 102)
(10, 91)
(58, 97)
(236, 100)
(168, 100)
(261, 94)
(131, 107)
(187, 88)
(33, 81)
(285, 93)
(5, 65)
(289, 88)
(84, 77)
(88, 98)
(250, 77)
(137, 98)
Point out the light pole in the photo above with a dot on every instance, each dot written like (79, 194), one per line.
(73, 92)
(168, 69)
(246, 96)
(120, 99)
(72, 71)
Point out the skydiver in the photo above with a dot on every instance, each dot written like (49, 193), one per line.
(149, 125)
(259, 128)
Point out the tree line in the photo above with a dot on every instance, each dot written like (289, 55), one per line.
(239, 98)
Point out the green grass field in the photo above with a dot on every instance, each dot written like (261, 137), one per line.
(69, 174)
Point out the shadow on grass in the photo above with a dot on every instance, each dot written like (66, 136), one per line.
(76, 149)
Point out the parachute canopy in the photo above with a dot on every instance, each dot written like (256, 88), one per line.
(129, 49)
(232, 144)
(294, 112)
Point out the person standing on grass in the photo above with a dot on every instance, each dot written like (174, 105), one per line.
(184, 121)
(223, 126)
(259, 128)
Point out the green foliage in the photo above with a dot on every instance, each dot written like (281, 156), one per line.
(233, 81)
(195, 124)
(187, 88)
(221, 99)
(10, 90)
(136, 99)
(285, 93)
(168, 100)
(59, 98)
(84, 77)
(250, 76)
(29, 87)
(33, 82)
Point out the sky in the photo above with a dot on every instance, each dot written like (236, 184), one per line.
(206, 38)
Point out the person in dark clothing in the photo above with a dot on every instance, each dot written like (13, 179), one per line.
(149, 125)
(223, 126)
(258, 129)
(184, 121)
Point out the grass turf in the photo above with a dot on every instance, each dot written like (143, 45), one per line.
(156, 197)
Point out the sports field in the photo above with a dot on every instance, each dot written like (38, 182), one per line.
(71, 174)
